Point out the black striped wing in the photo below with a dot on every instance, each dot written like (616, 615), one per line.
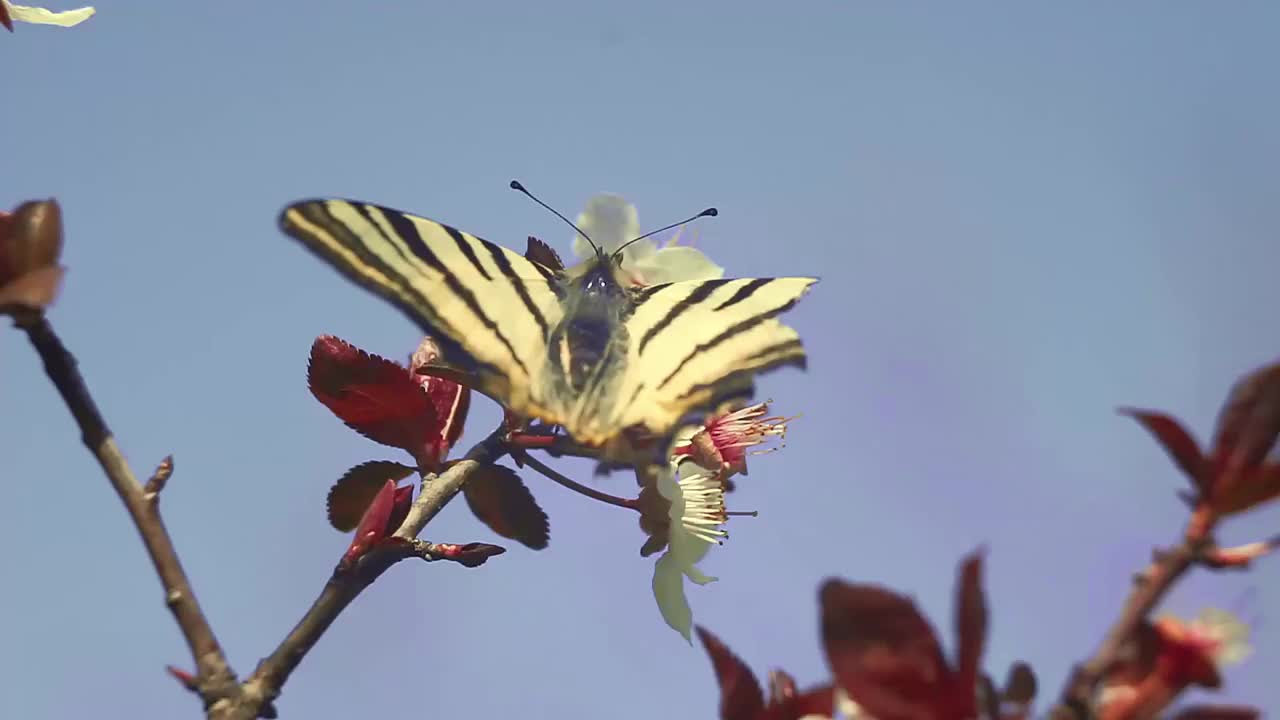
(488, 307)
(693, 345)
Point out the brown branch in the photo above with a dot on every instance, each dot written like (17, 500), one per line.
(264, 685)
(214, 678)
(1149, 589)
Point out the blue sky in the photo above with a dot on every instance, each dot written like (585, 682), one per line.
(1023, 216)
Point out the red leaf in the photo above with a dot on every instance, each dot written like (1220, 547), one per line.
(373, 525)
(541, 253)
(4, 17)
(881, 650)
(1218, 712)
(740, 694)
(449, 400)
(350, 497)
(1175, 440)
(817, 701)
(188, 680)
(400, 508)
(782, 687)
(471, 554)
(375, 397)
(1261, 485)
(1249, 422)
(1020, 684)
(500, 500)
(971, 622)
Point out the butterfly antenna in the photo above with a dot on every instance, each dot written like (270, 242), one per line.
(515, 185)
(709, 212)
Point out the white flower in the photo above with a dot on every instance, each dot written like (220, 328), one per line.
(41, 16)
(1225, 635)
(697, 518)
(612, 221)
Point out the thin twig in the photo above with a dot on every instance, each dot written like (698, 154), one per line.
(577, 487)
(264, 685)
(214, 678)
(1077, 696)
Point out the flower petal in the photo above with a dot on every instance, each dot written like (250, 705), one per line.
(41, 16)
(610, 221)
(672, 264)
(668, 590)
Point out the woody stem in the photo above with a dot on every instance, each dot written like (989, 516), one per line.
(577, 487)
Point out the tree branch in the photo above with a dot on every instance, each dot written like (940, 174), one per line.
(1150, 588)
(264, 685)
(214, 679)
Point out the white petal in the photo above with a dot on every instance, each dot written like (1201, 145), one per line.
(675, 264)
(668, 590)
(41, 16)
(698, 577)
(610, 221)
(582, 249)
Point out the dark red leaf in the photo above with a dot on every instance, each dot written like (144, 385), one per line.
(4, 17)
(350, 497)
(373, 525)
(740, 694)
(881, 650)
(449, 400)
(1218, 712)
(816, 701)
(1175, 440)
(988, 697)
(182, 676)
(542, 254)
(500, 500)
(471, 554)
(1249, 422)
(971, 619)
(782, 687)
(36, 289)
(1020, 685)
(374, 396)
(1261, 485)
(400, 508)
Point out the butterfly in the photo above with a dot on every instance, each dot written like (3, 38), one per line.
(581, 348)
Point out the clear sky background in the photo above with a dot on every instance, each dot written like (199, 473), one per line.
(1023, 217)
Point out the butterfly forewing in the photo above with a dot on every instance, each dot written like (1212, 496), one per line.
(494, 305)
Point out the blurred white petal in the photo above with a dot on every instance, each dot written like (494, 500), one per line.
(668, 589)
(673, 264)
(695, 496)
(609, 221)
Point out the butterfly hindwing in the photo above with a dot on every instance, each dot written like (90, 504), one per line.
(695, 344)
(493, 305)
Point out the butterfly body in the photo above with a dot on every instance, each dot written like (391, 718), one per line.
(581, 347)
